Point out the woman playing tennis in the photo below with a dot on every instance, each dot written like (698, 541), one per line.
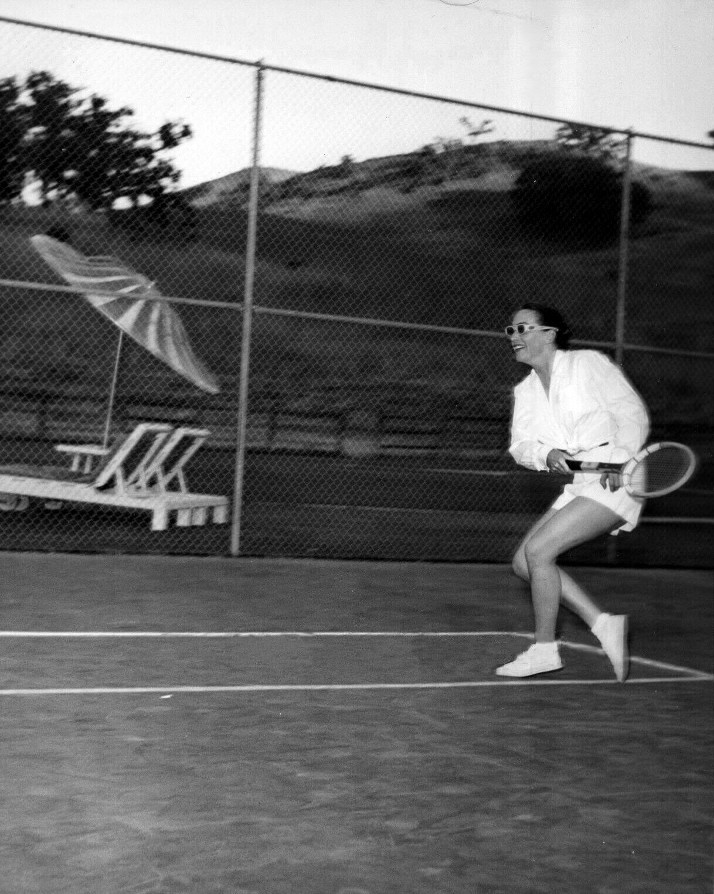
(573, 404)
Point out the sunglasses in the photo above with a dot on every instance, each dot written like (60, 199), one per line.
(521, 328)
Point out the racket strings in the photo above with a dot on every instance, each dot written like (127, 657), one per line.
(662, 470)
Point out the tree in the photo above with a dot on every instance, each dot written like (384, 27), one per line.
(76, 146)
(575, 198)
(479, 130)
(593, 141)
(346, 167)
(12, 130)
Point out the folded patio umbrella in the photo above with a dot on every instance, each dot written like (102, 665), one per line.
(131, 302)
(135, 306)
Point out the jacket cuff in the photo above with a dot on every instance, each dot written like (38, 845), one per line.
(541, 457)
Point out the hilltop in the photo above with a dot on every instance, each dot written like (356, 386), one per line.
(389, 183)
(231, 187)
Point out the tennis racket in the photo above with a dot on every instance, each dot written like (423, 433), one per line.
(654, 471)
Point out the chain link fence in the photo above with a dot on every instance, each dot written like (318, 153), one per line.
(346, 279)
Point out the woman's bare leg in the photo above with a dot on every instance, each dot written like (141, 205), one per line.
(577, 522)
(572, 594)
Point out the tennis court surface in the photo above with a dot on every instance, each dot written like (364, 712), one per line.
(318, 727)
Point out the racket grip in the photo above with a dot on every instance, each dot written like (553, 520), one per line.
(579, 466)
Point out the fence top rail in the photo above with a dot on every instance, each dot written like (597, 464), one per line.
(75, 290)
(260, 64)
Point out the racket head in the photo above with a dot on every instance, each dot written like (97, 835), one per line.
(659, 469)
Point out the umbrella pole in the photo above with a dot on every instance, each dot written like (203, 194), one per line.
(112, 391)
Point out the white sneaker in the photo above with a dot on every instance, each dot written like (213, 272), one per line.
(611, 630)
(541, 658)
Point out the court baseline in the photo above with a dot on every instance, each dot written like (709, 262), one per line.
(679, 674)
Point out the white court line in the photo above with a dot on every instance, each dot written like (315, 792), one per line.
(335, 687)
(229, 634)
(315, 634)
(692, 673)
(685, 674)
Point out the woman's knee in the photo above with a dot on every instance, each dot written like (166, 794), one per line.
(519, 565)
(538, 552)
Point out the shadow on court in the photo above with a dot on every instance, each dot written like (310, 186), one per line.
(378, 754)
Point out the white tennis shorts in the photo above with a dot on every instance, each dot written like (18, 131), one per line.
(588, 485)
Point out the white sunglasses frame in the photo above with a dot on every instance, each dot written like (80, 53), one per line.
(522, 328)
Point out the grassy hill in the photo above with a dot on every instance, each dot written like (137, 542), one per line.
(389, 238)
(230, 187)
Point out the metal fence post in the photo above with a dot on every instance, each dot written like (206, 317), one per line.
(623, 253)
(247, 318)
(622, 286)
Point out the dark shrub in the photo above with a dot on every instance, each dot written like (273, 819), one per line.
(575, 198)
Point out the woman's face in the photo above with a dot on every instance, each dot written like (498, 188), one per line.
(531, 347)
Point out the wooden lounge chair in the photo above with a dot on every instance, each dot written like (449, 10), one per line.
(165, 469)
(138, 472)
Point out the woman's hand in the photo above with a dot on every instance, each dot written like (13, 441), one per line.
(557, 462)
(611, 480)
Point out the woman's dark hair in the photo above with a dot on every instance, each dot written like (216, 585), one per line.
(549, 316)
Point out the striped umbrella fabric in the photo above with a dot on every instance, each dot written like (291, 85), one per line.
(134, 305)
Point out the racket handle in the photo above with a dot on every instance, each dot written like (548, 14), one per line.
(579, 466)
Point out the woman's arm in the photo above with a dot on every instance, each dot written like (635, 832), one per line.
(525, 447)
(623, 403)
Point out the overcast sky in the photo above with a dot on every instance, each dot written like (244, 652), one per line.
(645, 64)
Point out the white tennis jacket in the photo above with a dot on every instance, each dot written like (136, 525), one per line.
(591, 412)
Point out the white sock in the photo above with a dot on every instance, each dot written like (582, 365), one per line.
(547, 647)
(599, 621)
